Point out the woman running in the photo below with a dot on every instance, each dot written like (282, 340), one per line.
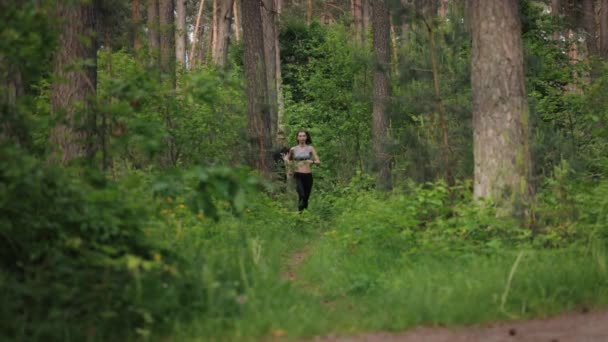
(299, 159)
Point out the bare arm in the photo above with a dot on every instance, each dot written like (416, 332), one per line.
(315, 157)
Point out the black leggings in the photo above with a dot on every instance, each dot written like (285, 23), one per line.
(303, 187)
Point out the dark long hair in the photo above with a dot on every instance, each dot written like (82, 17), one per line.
(308, 138)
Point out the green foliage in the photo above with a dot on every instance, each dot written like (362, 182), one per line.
(69, 252)
(203, 119)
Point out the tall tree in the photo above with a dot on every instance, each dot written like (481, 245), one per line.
(237, 21)
(167, 40)
(153, 27)
(500, 107)
(74, 90)
(257, 87)
(428, 15)
(356, 11)
(309, 11)
(196, 34)
(221, 38)
(603, 34)
(271, 36)
(589, 26)
(381, 44)
(136, 22)
(180, 33)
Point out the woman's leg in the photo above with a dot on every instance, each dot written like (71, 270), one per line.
(307, 189)
(300, 189)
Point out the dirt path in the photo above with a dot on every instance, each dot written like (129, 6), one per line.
(294, 261)
(570, 327)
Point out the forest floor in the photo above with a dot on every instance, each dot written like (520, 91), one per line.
(581, 326)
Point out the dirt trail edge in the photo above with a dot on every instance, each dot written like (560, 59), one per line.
(295, 259)
(568, 327)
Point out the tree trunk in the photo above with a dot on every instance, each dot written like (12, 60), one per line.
(381, 44)
(281, 138)
(73, 92)
(309, 12)
(167, 41)
(366, 15)
(196, 34)
(356, 11)
(167, 69)
(555, 13)
(500, 108)
(269, 23)
(589, 27)
(221, 39)
(237, 22)
(136, 18)
(257, 87)
(180, 33)
(603, 36)
(153, 34)
(395, 61)
(445, 146)
(443, 9)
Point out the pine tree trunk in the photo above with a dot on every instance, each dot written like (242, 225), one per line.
(443, 9)
(167, 41)
(237, 21)
(73, 92)
(167, 69)
(603, 34)
(500, 107)
(196, 34)
(309, 9)
(221, 40)
(445, 145)
(153, 34)
(279, 85)
(257, 87)
(381, 44)
(136, 22)
(269, 23)
(180, 33)
(366, 15)
(357, 14)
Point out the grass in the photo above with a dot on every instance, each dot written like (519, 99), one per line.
(352, 286)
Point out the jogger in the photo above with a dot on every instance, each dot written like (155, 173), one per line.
(300, 158)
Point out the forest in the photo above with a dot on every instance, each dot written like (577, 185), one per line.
(158, 182)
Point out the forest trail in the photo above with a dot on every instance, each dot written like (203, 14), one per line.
(568, 327)
(580, 326)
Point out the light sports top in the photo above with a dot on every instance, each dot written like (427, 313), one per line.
(302, 153)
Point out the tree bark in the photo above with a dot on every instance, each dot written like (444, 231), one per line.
(309, 9)
(445, 148)
(603, 34)
(136, 18)
(180, 33)
(257, 87)
(356, 11)
(381, 44)
(237, 21)
(269, 23)
(73, 92)
(500, 107)
(443, 9)
(196, 34)
(153, 34)
(167, 41)
(366, 15)
(281, 138)
(221, 39)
